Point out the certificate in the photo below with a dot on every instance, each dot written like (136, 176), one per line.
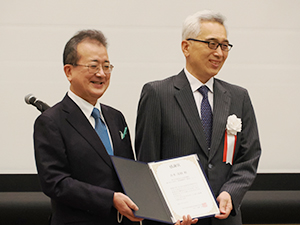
(167, 190)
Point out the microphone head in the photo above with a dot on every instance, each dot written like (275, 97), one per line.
(29, 99)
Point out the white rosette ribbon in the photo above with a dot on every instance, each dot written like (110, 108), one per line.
(233, 126)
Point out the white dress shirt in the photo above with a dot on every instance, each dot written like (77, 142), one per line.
(195, 85)
(87, 110)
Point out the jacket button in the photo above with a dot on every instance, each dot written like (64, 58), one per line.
(210, 166)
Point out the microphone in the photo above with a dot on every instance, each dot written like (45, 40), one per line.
(31, 99)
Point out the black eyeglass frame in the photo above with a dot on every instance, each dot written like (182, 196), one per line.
(208, 42)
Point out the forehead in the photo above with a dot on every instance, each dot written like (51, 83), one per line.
(91, 49)
(212, 30)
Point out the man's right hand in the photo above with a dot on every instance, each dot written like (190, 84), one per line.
(125, 206)
(187, 220)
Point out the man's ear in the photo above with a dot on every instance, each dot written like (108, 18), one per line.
(185, 47)
(68, 71)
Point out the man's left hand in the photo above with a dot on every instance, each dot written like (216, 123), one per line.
(225, 205)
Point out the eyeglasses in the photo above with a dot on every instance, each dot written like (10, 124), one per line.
(214, 45)
(95, 68)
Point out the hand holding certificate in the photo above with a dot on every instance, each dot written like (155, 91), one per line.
(168, 189)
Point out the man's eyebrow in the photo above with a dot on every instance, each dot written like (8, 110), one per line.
(215, 39)
(97, 61)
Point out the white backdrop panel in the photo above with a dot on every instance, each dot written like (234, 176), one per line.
(144, 45)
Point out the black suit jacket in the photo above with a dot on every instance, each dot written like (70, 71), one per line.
(74, 168)
(168, 125)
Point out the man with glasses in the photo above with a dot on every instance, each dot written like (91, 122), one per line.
(74, 139)
(194, 112)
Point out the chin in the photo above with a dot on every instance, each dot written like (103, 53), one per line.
(214, 73)
(101, 92)
(99, 95)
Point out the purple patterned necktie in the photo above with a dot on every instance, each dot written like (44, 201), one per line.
(206, 114)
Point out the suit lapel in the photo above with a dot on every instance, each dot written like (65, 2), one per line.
(186, 101)
(78, 120)
(220, 113)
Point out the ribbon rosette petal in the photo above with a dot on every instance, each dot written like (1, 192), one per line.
(233, 126)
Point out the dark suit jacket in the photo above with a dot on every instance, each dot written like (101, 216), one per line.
(74, 168)
(168, 125)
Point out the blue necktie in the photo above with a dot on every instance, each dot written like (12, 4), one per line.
(206, 114)
(102, 131)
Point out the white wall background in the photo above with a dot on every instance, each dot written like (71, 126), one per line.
(144, 45)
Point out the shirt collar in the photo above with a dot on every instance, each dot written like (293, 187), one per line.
(196, 84)
(86, 107)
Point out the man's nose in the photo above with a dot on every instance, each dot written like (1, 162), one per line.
(219, 50)
(100, 72)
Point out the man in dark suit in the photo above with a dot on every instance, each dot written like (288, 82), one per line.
(176, 118)
(74, 167)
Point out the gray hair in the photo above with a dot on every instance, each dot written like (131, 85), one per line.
(70, 55)
(192, 24)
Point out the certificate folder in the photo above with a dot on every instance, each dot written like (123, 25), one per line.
(167, 190)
